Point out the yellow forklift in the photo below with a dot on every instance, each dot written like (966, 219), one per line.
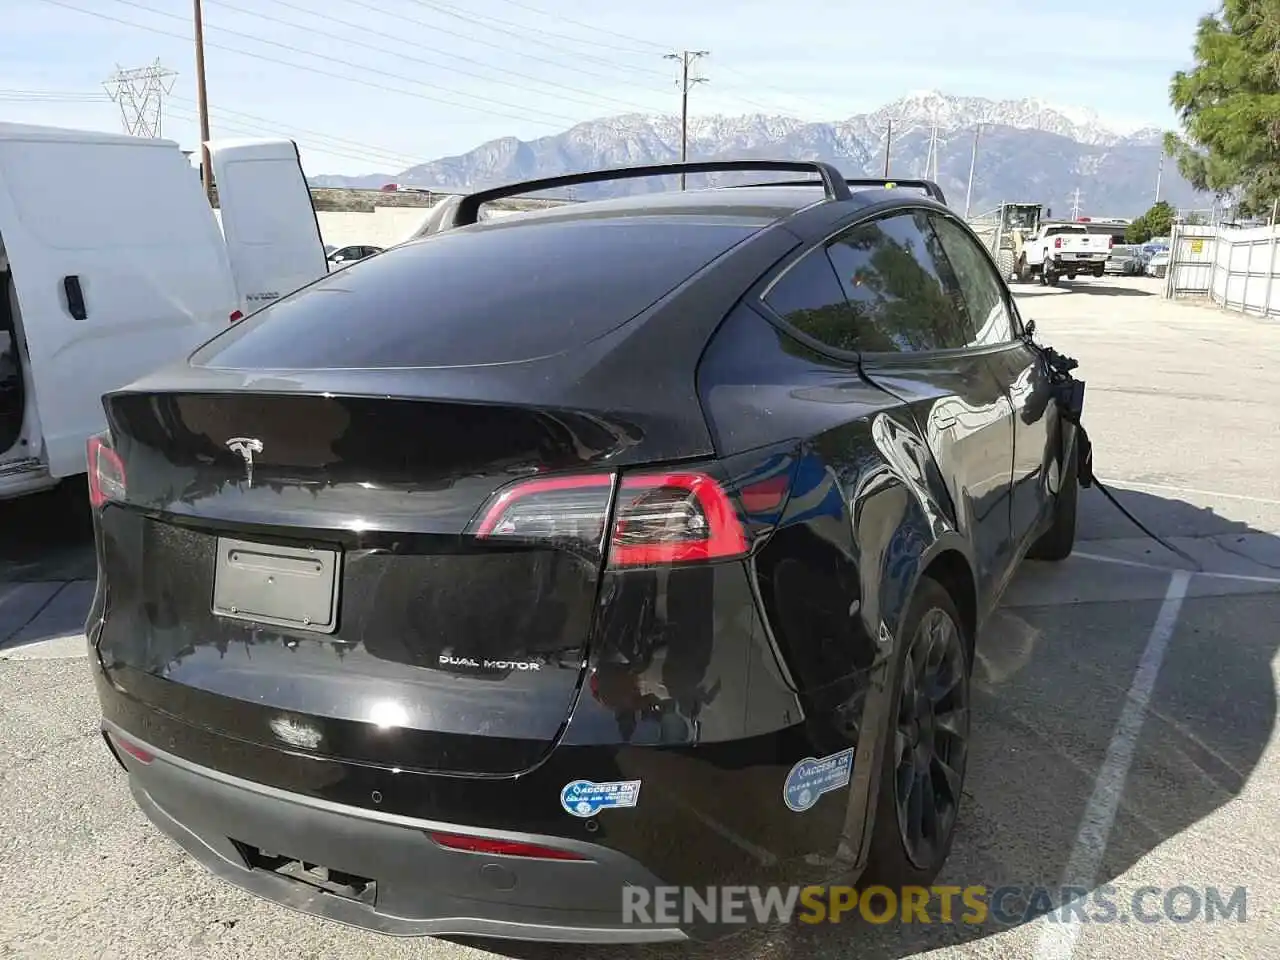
(1005, 230)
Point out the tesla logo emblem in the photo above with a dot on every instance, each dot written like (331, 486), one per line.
(246, 447)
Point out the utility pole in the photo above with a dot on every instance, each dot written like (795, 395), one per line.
(140, 95)
(1159, 176)
(973, 164)
(202, 100)
(888, 142)
(931, 158)
(686, 59)
(1075, 204)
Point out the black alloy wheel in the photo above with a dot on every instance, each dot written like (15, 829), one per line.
(931, 742)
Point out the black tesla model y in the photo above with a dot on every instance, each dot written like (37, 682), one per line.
(627, 543)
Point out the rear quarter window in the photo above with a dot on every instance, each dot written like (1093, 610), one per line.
(498, 293)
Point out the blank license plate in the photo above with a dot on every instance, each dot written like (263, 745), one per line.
(284, 586)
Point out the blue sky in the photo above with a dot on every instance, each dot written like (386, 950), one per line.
(377, 85)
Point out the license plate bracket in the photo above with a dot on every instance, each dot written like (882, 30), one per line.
(284, 586)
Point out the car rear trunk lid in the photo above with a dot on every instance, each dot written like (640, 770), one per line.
(305, 571)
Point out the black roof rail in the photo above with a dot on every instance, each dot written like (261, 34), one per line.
(928, 186)
(833, 182)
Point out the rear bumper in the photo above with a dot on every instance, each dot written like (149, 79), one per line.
(418, 888)
(1062, 263)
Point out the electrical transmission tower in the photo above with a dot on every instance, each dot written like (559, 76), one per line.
(140, 95)
(686, 82)
(1075, 204)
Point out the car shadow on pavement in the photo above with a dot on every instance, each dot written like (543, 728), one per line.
(47, 536)
(1053, 674)
(1099, 290)
(46, 566)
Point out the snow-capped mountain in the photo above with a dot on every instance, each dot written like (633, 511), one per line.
(1029, 150)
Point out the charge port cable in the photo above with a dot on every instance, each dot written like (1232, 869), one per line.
(1068, 394)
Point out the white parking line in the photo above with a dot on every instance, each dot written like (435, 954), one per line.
(1246, 577)
(1122, 484)
(1058, 936)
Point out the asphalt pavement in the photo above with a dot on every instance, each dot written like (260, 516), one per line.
(1125, 704)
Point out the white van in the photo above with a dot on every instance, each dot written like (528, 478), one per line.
(112, 263)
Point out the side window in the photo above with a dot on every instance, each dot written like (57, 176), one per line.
(808, 296)
(980, 288)
(892, 272)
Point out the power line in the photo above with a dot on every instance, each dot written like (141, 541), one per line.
(140, 95)
(686, 59)
(612, 33)
(757, 85)
(55, 96)
(277, 128)
(431, 63)
(330, 59)
(284, 63)
(435, 28)
(528, 29)
(259, 130)
(521, 32)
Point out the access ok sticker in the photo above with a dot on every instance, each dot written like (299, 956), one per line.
(583, 798)
(813, 776)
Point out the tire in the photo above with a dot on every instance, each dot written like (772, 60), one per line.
(1071, 276)
(891, 863)
(1004, 261)
(1024, 270)
(1059, 540)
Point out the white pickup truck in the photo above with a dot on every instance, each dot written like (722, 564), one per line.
(1063, 249)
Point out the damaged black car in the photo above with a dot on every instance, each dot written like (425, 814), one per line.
(627, 543)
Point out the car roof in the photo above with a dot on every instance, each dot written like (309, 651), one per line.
(750, 205)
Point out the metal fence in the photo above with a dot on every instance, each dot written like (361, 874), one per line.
(1236, 269)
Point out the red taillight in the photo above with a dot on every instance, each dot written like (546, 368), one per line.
(502, 848)
(551, 508)
(235, 316)
(658, 519)
(132, 749)
(1111, 242)
(674, 518)
(1057, 242)
(106, 473)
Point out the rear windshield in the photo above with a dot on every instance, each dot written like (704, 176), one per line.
(1055, 231)
(501, 293)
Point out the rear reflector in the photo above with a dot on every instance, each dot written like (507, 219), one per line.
(106, 473)
(658, 519)
(501, 848)
(132, 749)
(765, 496)
(236, 315)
